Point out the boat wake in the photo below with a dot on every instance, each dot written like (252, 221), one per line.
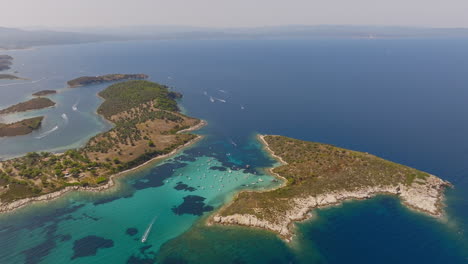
(45, 134)
(36, 81)
(147, 231)
(221, 100)
(31, 82)
(65, 117)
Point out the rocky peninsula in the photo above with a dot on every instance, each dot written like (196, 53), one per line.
(317, 175)
(89, 80)
(20, 128)
(147, 125)
(33, 104)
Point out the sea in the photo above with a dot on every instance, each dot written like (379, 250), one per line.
(405, 100)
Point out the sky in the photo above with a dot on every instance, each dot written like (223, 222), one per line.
(232, 13)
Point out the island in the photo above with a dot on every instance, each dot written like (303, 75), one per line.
(88, 80)
(9, 77)
(147, 125)
(33, 104)
(318, 175)
(20, 128)
(5, 62)
(44, 93)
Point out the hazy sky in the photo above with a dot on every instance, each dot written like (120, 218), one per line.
(232, 13)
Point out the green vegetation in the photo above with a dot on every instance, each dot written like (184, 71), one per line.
(33, 104)
(101, 179)
(22, 127)
(313, 169)
(142, 132)
(88, 80)
(127, 95)
(44, 93)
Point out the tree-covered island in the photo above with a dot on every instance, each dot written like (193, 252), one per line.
(33, 104)
(25, 126)
(9, 77)
(44, 93)
(318, 175)
(20, 128)
(88, 80)
(146, 122)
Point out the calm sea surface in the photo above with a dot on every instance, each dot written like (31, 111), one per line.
(403, 100)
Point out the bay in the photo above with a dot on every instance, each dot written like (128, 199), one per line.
(403, 100)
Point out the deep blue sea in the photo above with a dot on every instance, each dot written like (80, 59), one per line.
(405, 100)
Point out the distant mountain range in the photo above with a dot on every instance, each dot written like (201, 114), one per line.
(11, 38)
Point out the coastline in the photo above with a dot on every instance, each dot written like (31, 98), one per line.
(9, 207)
(19, 49)
(201, 124)
(15, 78)
(427, 199)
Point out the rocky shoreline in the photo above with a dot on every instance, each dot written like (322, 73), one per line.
(426, 198)
(8, 207)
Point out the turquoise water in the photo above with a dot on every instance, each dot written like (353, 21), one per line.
(404, 100)
(69, 124)
(150, 193)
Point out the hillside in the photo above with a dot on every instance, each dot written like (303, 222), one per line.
(143, 130)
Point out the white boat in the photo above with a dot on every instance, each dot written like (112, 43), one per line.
(233, 143)
(147, 231)
(75, 106)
